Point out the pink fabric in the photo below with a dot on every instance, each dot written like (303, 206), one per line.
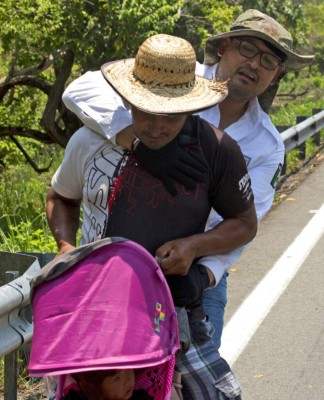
(157, 381)
(111, 310)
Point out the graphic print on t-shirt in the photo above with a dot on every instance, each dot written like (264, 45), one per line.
(100, 182)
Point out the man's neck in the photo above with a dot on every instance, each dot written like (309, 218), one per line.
(230, 112)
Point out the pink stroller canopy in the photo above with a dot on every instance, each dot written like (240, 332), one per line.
(105, 305)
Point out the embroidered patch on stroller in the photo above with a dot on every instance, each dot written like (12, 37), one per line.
(159, 317)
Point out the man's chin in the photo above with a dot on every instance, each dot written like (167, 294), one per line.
(241, 91)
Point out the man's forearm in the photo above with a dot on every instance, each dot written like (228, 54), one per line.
(228, 235)
(176, 256)
(63, 219)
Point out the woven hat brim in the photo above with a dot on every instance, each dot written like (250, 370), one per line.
(293, 62)
(155, 99)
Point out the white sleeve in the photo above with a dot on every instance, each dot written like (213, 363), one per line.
(97, 104)
(68, 178)
(263, 178)
(219, 264)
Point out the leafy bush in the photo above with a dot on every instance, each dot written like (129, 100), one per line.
(30, 236)
(23, 225)
(299, 95)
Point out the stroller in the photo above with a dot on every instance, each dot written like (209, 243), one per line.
(104, 306)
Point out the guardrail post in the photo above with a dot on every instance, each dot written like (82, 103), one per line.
(10, 360)
(301, 147)
(282, 128)
(317, 136)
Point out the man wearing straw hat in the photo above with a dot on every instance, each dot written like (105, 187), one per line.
(122, 197)
(253, 55)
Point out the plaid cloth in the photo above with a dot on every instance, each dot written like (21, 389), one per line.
(205, 375)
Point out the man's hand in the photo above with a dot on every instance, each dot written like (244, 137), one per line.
(188, 290)
(176, 256)
(64, 248)
(170, 163)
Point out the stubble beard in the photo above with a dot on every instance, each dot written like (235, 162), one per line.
(239, 91)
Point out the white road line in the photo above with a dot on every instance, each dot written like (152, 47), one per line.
(248, 317)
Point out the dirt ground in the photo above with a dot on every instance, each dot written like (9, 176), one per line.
(288, 183)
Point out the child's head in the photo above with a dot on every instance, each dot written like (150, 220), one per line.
(106, 384)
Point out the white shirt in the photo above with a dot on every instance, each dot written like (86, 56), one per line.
(263, 150)
(99, 107)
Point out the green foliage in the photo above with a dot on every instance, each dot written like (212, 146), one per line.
(35, 33)
(6, 147)
(202, 18)
(41, 154)
(293, 160)
(314, 12)
(22, 106)
(287, 12)
(299, 94)
(31, 236)
(23, 225)
(287, 114)
(41, 39)
(28, 388)
(96, 31)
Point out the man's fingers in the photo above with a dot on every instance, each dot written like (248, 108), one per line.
(166, 263)
(169, 267)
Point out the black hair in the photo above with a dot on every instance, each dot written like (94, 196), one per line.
(89, 382)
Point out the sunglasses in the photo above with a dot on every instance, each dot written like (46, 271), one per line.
(268, 60)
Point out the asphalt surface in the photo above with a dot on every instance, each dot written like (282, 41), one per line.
(284, 356)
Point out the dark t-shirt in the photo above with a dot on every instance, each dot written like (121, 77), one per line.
(142, 210)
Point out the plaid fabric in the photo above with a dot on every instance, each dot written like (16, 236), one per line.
(205, 375)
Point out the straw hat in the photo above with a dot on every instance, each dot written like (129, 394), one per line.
(256, 24)
(161, 79)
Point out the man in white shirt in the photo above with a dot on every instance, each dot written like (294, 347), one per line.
(252, 56)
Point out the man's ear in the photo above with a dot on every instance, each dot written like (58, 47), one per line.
(223, 45)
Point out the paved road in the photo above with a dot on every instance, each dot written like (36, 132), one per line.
(274, 329)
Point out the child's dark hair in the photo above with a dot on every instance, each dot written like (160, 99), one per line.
(90, 381)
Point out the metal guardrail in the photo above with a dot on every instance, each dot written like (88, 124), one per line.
(16, 326)
(297, 135)
(16, 271)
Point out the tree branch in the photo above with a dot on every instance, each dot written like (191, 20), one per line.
(34, 70)
(11, 131)
(54, 101)
(32, 81)
(291, 95)
(45, 63)
(29, 159)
